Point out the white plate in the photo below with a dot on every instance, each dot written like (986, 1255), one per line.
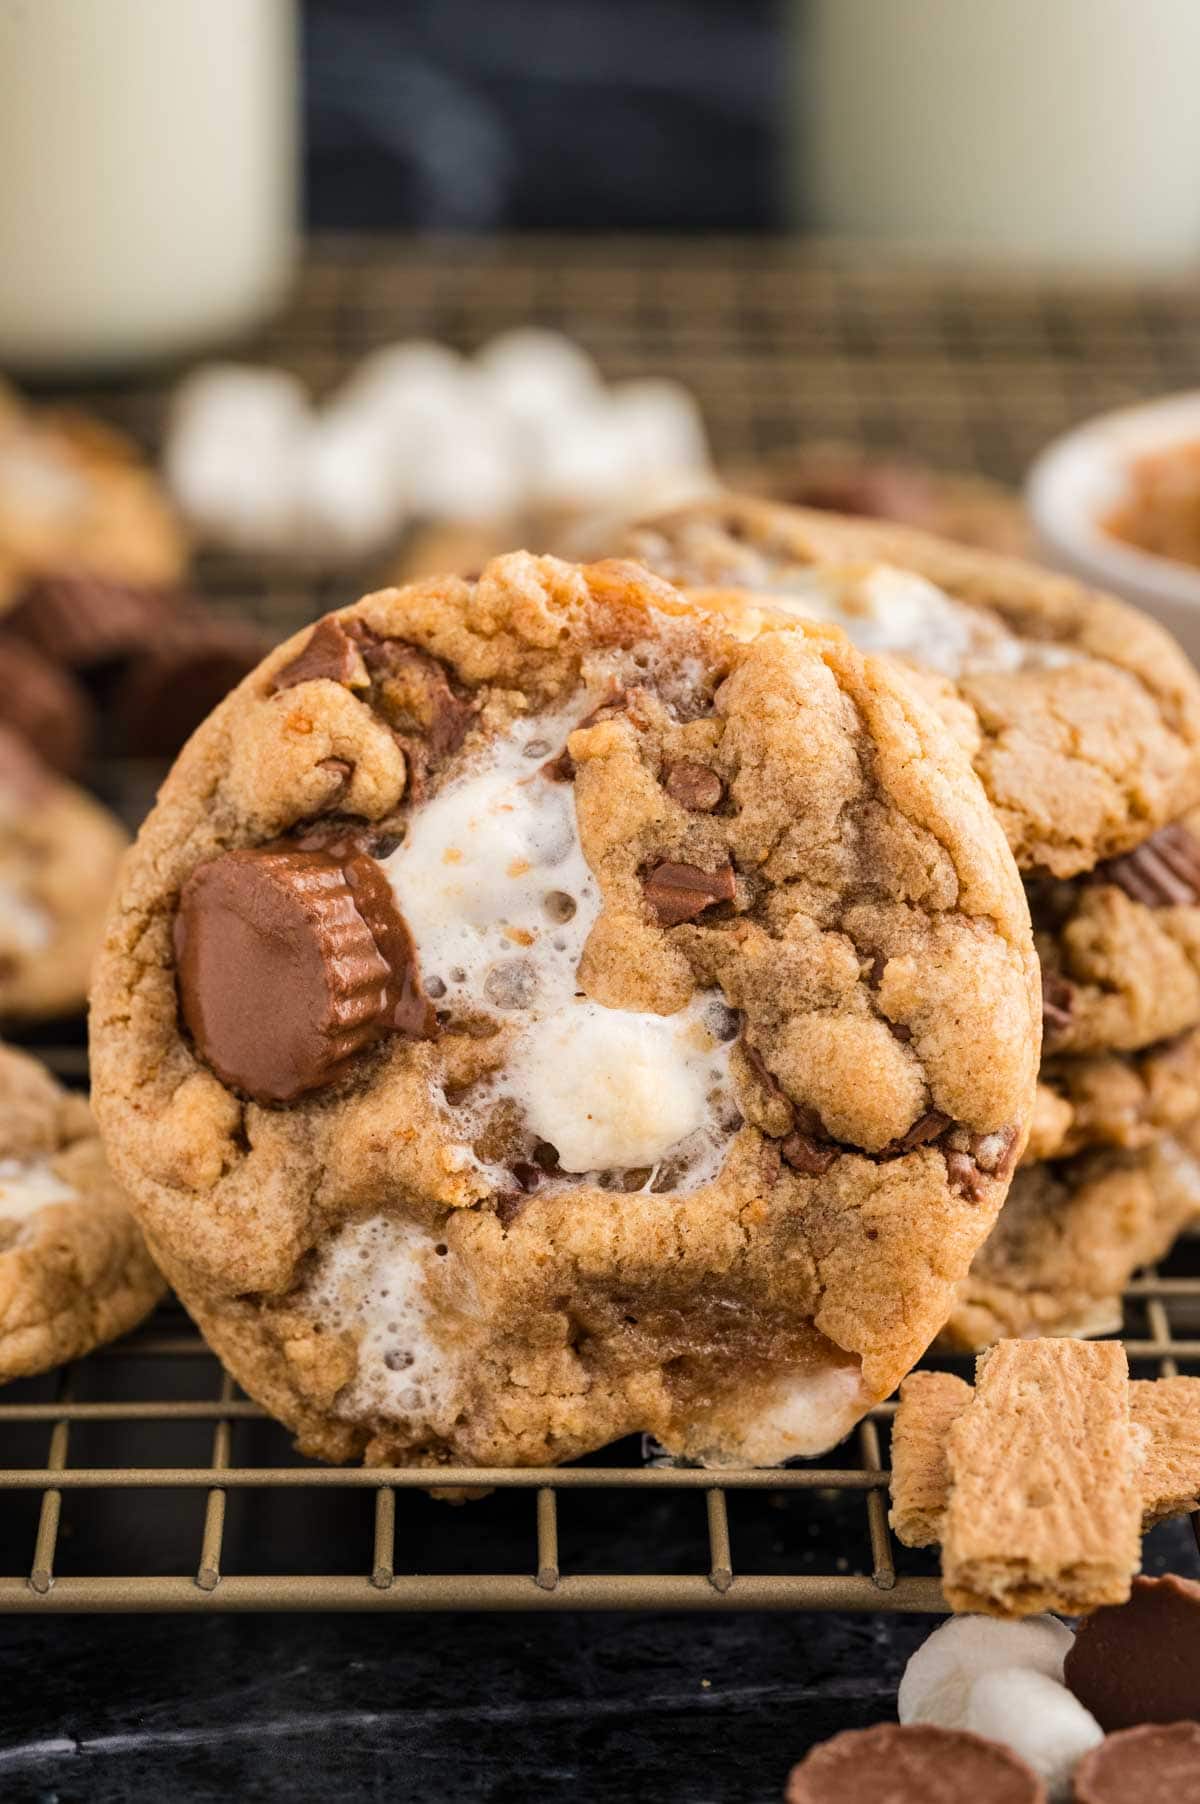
(1082, 475)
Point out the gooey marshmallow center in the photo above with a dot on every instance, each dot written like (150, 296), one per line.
(500, 900)
(27, 1185)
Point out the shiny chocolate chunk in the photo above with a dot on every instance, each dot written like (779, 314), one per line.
(82, 620)
(1139, 1662)
(811, 1158)
(913, 1763)
(175, 680)
(695, 786)
(682, 892)
(329, 652)
(966, 1179)
(44, 704)
(1163, 872)
(1152, 1764)
(289, 963)
(413, 693)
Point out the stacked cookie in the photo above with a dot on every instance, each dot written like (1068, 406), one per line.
(1083, 721)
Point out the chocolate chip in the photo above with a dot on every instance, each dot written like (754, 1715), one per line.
(509, 1204)
(810, 1157)
(328, 652)
(412, 691)
(289, 964)
(682, 892)
(528, 1176)
(926, 1128)
(1163, 872)
(694, 785)
(44, 704)
(560, 769)
(1139, 1662)
(1058, 1001)
(965, 1177)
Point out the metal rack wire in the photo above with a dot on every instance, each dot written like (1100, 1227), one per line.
(140, 1479)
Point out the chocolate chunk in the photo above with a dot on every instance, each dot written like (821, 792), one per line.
(44, 704)
(1152, 1764)
(682, 892)
(965, 1177)
(694, 786)
(330, 652)
(412, 691)
(1163, 872)
(927, 1127)
(1139, 1662)
(560, 769)
(83, 621)
(913, 1763)
(177, 678)
(1058, 1001)
(290, 963)
(811, 1158)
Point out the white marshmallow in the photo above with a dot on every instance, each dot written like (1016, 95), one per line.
(534, 375)
(464, 467)
(233, 454)
(661, 427)
(350, 494)
(29, 1185)
(1038, 1718)
(611, 1088)
(405, 380)
(938, 1678)
(372, 1281)
(808, 1415)
(25, 926)
(583, 459)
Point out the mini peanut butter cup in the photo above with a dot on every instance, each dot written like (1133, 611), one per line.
(289, 964)
(82, 620)
(1139, 1662)
(177, 677)
(44, 704)
(913, 1763)
(1155, 1763)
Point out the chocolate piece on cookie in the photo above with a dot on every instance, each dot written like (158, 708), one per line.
(1070, 1237)
(912, 1764)
(1152, 1764)
(74, 1271)
(1082, 716)
(537, 1012)
(59, 852)
(1139, 1662)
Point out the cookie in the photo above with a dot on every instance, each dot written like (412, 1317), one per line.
(1124, 1100)
(76, 496)
(59, 853)
(1082, 716)
(74, 1270)
(535, 1012)
(912, 1763)
(845, 479)
(1070, 1237)
(1120, 947)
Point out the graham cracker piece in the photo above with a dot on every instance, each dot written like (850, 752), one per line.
(1044, 1510)
(929, 1403)
(1166, 1419)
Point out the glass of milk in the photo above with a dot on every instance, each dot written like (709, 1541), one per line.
(148, 176)
(1057, 131)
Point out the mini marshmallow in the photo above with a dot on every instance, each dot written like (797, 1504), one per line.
(233, 451)
(403, 381)
(534, 375)
(29, 1185)
(661, 426)
(465, 469)
(351, 497)
(1036, 1717)
(938, 1679)
(583, 460)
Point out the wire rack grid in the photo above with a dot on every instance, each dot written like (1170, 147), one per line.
(140, 1478)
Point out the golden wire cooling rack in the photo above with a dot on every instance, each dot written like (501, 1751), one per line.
(141, 1479)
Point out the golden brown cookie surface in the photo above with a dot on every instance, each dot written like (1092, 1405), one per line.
(74, 1271)
(1083, 717)
(1124, 1100)
(592, 1020)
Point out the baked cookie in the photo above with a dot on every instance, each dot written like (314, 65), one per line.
(1070, 1237)
(534, 1013)
(1082, 716)
(76, 496)
(74, 1270)
(59, 853)
(1115, 1099)
(1120, 947)
(845, 479)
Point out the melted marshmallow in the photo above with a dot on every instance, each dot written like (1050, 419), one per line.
(807, 1415)
(495, 888)
(885, 609)
(372, 1283)
(27, 1185)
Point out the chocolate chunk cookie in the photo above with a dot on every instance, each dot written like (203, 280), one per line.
(1070, 1237)
(59, 852)
(535, 1012)
(1082, 716)
(74, 1270)
(1115, 1099)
